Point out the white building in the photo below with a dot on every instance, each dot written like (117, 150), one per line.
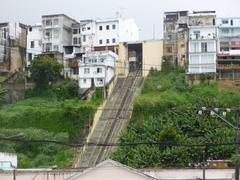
(97, 69)
(8, 161)
(34, 42)
(103, 34)
(202, 42)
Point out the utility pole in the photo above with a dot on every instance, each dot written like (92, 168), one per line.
(214, 112)
(238, 147)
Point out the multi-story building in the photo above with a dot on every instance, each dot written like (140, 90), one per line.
(228, 57)
(106, 34)
(34, 42)
(175, 46)
(97, 69)
(13, 42)
(57, 32)
(202, 42)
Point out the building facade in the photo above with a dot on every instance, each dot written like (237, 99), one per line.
(228, 56)
(106, 34)
(13, 43)
(202, 42)
(175, 46)
(34, 42)
(97, 69)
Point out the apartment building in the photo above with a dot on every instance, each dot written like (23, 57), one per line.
(175, 45)
(13, 43)
(228, 55)
(34, 42)
(202, 42)
(106, 34)
(97, 69)
(57, 32)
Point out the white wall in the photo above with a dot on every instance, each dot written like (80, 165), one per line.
(36, 36)
(99, 66)
(7, 157)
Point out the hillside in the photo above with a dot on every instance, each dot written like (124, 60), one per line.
(46, 118)
(167, 112)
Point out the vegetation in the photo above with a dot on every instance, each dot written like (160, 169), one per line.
(58, 115)
(172, 117)
(43, 71)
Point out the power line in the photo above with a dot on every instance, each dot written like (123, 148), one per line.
(124, 144)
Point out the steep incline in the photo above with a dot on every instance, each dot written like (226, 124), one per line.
(114, 119)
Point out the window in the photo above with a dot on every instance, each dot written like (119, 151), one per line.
(88, 28)
(99, 70)
(114, 26)
(56, 33)
(48, 34)
(75, 40)
(214, 22)
(113, 40)
(84, 38)
(30, 29)
(75, 31)
(32, 44)
(55, 48)
(231, 22)
(75, 71)
(225, 21)
(100, 80)
(204, 47)
(107, 41)
(86, 70)
(100, 41)
(84, 81)
(48, 22)
(48, 47)
(225, 31)
(55, 22)
(196, 34)
(83, 29)
(107, 27)
(169, 50)
(100, 28)
(194, 47)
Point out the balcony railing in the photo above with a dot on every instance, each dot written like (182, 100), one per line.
(228, 66)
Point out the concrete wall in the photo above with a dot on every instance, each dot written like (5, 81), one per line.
(152, 55)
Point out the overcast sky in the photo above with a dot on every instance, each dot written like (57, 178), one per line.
(147, 13)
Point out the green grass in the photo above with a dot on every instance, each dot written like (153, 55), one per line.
(46, 118)
(167, 110)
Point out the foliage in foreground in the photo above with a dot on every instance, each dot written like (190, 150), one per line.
(171, 116)
(59, 116)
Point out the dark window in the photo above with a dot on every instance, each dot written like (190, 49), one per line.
(75, 40)
(225, 21)
(88, 28)
(84, 38)
(32, 44)
(214, 22)
(107, 27)
(100, 41)
(231, 22)
(204, 47)
(107, 41)
(75, 31)
(113, 40)
(100, 28)
(99, 70)
(75, 71)
(169, 50)
(30, 29)
(113, 26)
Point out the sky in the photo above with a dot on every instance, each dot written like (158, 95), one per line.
(148, 14)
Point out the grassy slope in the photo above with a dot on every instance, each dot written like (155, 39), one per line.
(45, 118)
(166, 111)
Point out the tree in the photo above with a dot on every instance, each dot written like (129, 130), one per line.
(44, 70)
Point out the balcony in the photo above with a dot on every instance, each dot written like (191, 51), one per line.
(72, 63)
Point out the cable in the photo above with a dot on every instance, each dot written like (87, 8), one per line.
(165, 143)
